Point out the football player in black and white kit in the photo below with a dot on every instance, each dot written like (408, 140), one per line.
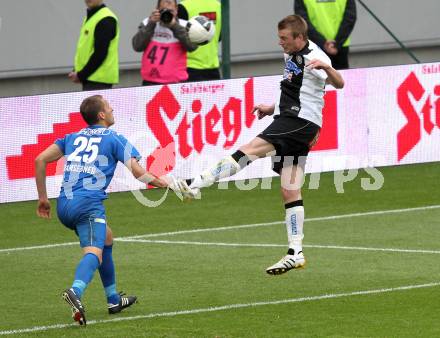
(288, 139)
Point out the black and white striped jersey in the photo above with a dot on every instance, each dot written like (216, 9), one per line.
(302, 89)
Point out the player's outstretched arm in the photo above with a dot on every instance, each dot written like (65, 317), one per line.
(334, 77)
(144, 176)
(51, 154)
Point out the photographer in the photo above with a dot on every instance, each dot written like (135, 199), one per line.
(164, 42)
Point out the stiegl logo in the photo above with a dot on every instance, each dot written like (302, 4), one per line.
(410, 135)
(199, 125)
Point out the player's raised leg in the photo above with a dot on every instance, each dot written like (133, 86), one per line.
(291, 181)
(229, 165)
(116, 302)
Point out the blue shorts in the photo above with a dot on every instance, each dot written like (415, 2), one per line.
(86, 216)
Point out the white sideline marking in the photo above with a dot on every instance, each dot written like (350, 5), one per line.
(233, 227)
(39, 247)
(129, 240)
(315, 219)
(159, 241)
(373, 249)
(224, 307)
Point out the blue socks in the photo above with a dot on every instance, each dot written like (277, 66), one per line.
(86, 269)
(84, 273)
(107, 273)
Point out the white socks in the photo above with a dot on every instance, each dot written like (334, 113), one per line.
(225, 168)
(295, 225)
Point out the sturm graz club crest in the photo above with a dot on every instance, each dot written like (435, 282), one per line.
(299, 59)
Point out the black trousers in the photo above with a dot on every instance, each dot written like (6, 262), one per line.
(340, 60)
(148, 83)
(203, 74)
(90, 85)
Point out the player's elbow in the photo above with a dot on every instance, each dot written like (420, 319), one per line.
(40, 163)
(339, 84)
(39, 160)
(137, 173)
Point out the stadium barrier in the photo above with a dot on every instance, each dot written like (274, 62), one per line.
(384, 116)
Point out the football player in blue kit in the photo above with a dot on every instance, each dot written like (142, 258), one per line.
(91, 158)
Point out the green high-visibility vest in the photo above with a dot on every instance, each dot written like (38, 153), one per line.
(108, 72)
(206, 56)
(326, 16)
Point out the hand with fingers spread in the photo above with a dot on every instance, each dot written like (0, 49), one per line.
(263, 110)
(333, 76)
(317, 64)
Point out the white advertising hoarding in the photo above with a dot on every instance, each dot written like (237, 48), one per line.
(383, 116)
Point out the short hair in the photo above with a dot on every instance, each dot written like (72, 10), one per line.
(90, 108)
(159, 1)
(296, 24)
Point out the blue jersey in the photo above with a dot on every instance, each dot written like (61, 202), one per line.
(91, 158)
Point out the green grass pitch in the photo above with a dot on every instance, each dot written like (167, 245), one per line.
(198, 274)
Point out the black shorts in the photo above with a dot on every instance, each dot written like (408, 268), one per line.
(291, 137)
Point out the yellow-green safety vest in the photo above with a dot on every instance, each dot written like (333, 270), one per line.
(108, 72)
(326, 16)
(206, 56)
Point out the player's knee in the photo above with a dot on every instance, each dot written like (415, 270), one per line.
(290, 195)
(94, 251)
(246, 148)
(250, 148)
(108, 236)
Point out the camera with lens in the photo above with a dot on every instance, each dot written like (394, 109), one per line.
(166, 15)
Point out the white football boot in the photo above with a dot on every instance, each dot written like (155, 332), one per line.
(288, 262)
